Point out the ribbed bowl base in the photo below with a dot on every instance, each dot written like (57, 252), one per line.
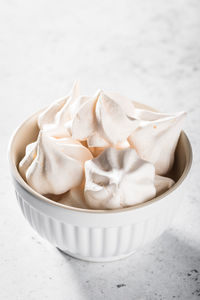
(96, 259)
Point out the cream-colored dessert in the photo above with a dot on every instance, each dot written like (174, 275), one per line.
(74, 197)
(57, 118)
(109, 122)
(156, 138)
(120, 178)
(101, 151)
(53, 165)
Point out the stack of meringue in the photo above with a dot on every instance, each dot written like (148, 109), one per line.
(101, 151)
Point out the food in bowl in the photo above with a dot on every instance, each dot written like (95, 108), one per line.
(98, 235)
(101, 151)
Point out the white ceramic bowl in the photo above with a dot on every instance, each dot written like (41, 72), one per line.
(96, 235)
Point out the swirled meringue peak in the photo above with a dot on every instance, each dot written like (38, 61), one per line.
(57, 118)
(156, 138)
(104, 121)
(101, 151)
(54, 166)
(118, 178)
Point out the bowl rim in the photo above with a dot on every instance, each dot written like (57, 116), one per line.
(20, 180)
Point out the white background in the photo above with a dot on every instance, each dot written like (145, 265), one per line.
(147, 50)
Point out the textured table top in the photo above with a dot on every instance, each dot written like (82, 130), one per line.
(147, 50)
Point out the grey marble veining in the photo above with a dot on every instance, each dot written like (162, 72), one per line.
(147, 50)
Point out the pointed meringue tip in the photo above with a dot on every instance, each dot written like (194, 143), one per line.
(181, 114)
(104, 95)
(98, 92)
(76, 83)
(75, 89)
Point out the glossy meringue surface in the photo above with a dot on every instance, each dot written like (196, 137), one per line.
(101, 151)
(156, 138)
(56, 119)
(54, 165)
(104, 115)
(118, 178)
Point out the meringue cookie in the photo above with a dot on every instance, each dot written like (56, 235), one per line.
(126, 103)
(57, 118)
(162, 184)
(131, 147)
(98, 150)
(54, 166)
(109, 122)
(118, 178)
(83, 124)
(74, 197)
(156, 138)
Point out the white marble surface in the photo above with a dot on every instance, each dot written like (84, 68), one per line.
(149, 50)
